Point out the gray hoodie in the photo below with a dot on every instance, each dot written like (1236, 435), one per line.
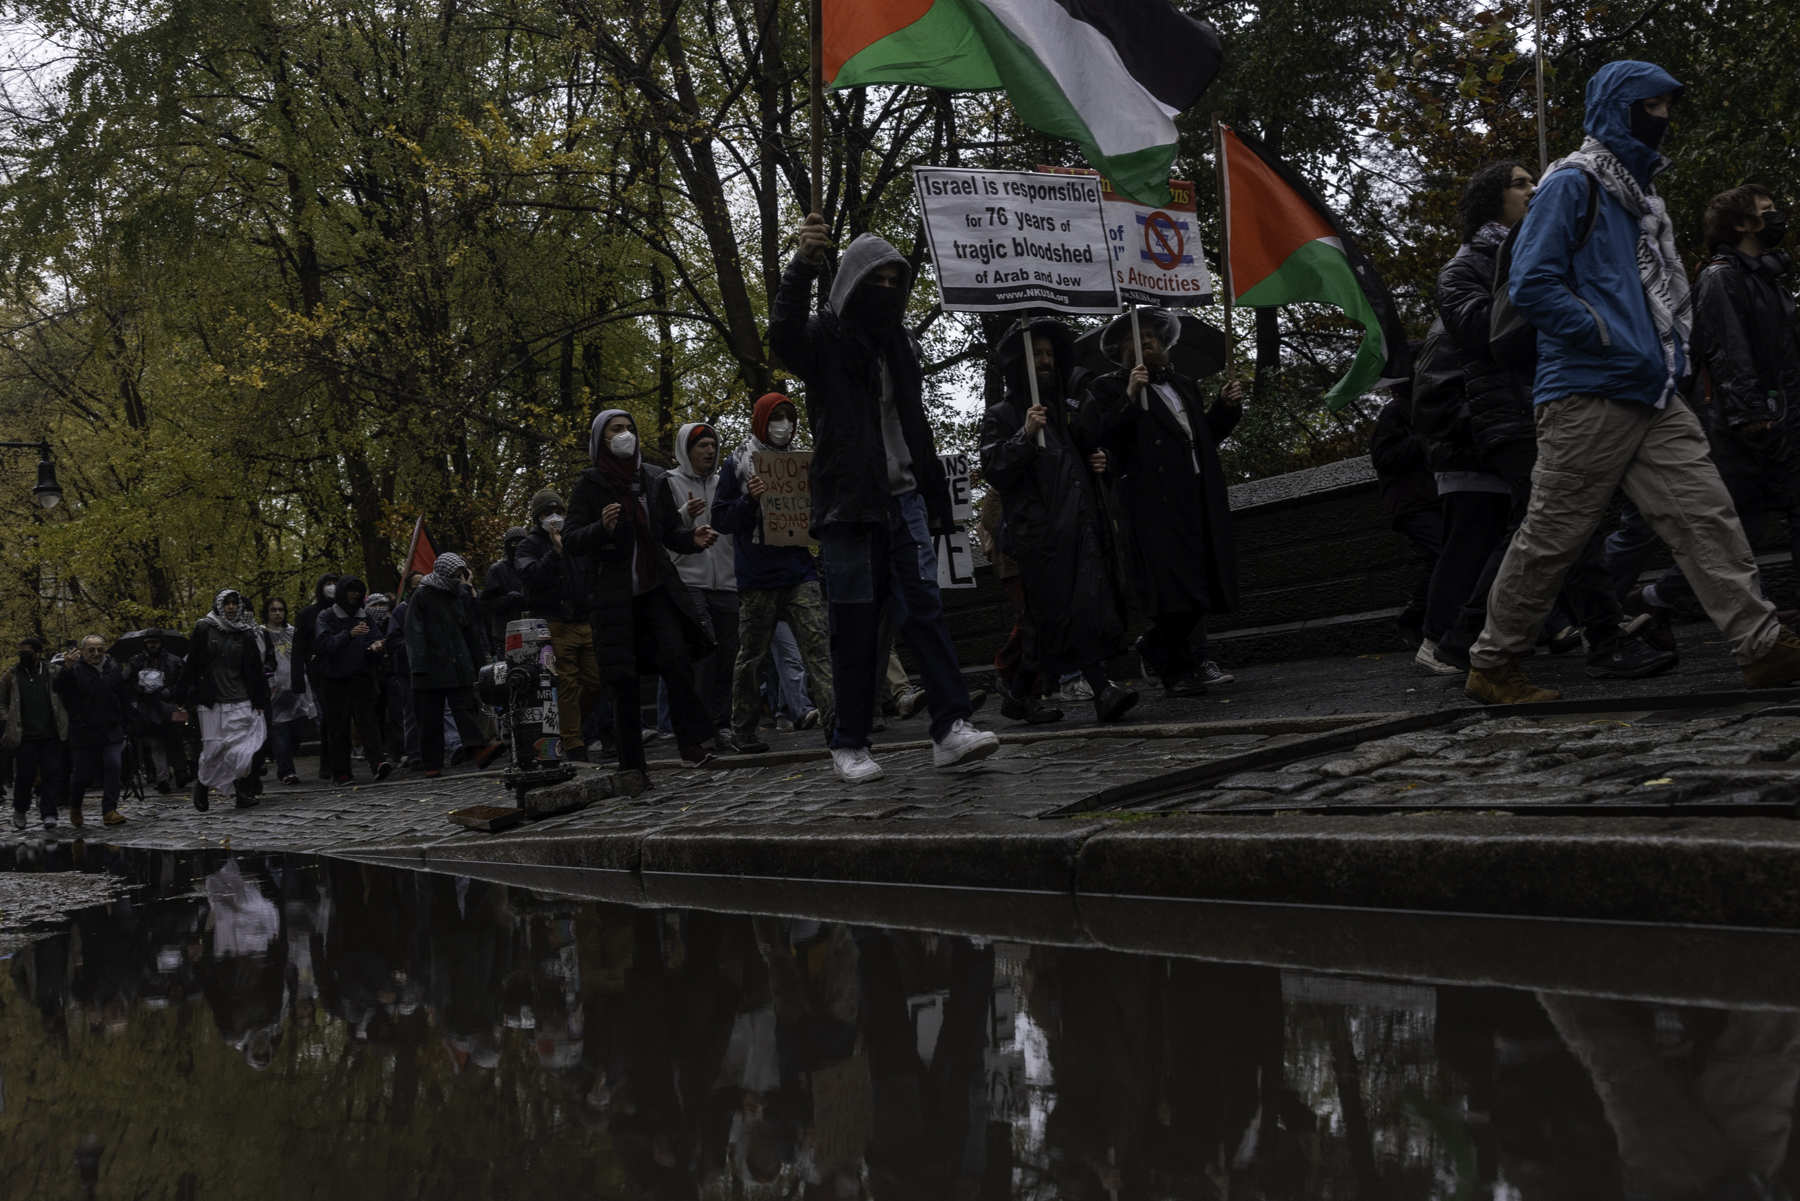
(866, 253)
(716, 566)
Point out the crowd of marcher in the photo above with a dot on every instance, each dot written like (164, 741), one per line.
(1570, 362)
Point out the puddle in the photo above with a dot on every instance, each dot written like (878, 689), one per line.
(285, 1027)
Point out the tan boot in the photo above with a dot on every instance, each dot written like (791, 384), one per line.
(1780, 666)
(1506, 685)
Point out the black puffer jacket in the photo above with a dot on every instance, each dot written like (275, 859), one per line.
(1744, 335)
(94, 698)
(1397, 452)
(841, 365)
(1498, 398)
(620, 647)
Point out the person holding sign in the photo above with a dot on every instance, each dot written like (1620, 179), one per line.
(775, 583)
(644, 618)
(1163, 450)
(878, 490)
(1074, 611)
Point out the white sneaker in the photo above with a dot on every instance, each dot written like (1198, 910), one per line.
(855, 766)
(1427, 658)
(963, 743)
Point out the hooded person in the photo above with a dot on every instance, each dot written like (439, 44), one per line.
(502, 596)
(150, 677)
(775, 583)
(556, 586)
(224, 685)
(37, 726)
(305, 625)
(1612, 311)
(711, 575)
(95, 697)
(445, 650)
(392, 685)
(642, 616)
(878, 490)
(1162, 447)
(347, 643)
(1056, 522)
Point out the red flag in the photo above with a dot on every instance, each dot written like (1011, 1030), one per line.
(421, 555)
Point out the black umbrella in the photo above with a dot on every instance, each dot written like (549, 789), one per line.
(1198, 353)
(130, 644)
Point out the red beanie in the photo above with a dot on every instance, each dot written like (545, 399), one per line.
(765, 405)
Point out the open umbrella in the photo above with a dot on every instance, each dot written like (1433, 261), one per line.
(1198, 353)
(130, 644)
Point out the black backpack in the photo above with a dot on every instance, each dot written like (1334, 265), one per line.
(1512, 340)
(1437, 391)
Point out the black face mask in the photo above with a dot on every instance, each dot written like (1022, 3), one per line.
(1647, 129)
(875, 307)
(1774, 229)
(28, 658)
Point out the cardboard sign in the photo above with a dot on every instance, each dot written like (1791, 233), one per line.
(787, 505)
(955, 563)
(1007, 240)
(1156, 253)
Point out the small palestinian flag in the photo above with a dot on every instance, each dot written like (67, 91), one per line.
(1109, 75)
(1286, 247)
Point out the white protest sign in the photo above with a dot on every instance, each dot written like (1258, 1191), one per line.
(787, 505)
(1006, 240)
(1156, 253)
(955, 562)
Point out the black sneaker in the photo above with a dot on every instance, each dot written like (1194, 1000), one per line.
(1628, 657)
(576, 754)
(745, 744)
(384, 771)
(1188, 684)
(1147, 658)
(1028, 709)
(1211, 673)
(1412, 628)
(202, 802)
(1114, 703)
(163, 786)
(1655, 629)
(977, 699)
(19, 818)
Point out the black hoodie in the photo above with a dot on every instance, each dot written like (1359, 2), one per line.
(304, 628)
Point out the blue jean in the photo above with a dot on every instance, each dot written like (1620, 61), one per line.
(97, 765)
(868, 568)
(37, 755)
(784, 682)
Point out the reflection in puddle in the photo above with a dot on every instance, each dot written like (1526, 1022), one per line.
(285, 1027)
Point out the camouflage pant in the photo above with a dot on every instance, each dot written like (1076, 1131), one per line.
(759, 609)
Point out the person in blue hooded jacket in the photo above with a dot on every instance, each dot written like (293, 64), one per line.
(1613, 317)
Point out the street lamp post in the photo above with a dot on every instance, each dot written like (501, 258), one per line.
(48, 492)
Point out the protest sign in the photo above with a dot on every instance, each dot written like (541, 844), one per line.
(955, 562)
(1156, 254)
(787, 505)
(1006, 240)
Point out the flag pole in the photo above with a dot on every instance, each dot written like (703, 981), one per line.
(1225, 244)
(1543, 135)
(1031, 370)
(818, 107)
(412, 544)
(1137, 346)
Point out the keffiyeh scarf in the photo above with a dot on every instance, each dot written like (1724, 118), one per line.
(444, 572)
(242, 623)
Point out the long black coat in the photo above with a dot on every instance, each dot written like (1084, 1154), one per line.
(1498, 399)
(445, 646)
(1074, 609)
(1177, 525)
(195, 686)
(622, 650)
(94, 698)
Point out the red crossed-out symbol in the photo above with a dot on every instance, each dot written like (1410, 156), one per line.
(1162, 240)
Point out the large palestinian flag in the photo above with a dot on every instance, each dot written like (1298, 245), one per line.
(1109, 75)
(1286, 247)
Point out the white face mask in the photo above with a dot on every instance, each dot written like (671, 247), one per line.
(331, 592)
(781, 432)
(553, 521)
(624, 444)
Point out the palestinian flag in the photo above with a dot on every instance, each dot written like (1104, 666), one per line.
(421, 554)
(1286, 247)
(1109, 75)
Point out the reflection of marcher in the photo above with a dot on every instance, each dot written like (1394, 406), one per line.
(36, 726)
(285, 699)
(243, 979)
(878, 490)
(776, 584)
(150, 677)
(223, 684)
(1718, 1131)
(1163, 449)
(444, 649)
(93, 694)
(1074, 610)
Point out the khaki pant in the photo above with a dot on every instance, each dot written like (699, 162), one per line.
(577, 679)
(1589, 446)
